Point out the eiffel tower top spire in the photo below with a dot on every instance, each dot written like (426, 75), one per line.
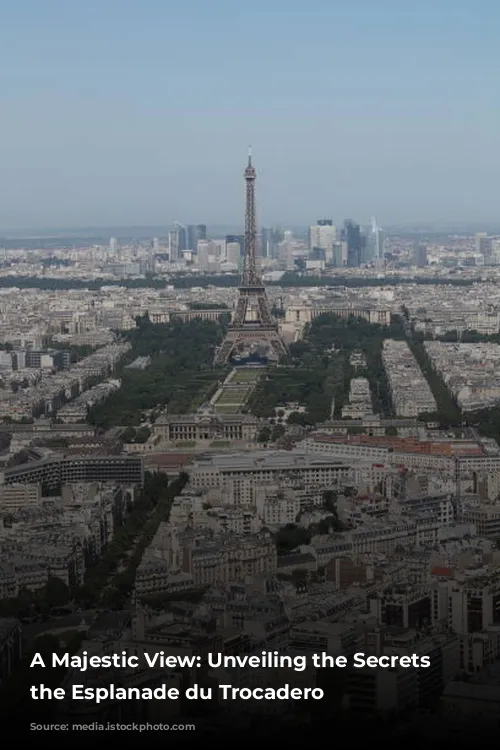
(251, 275)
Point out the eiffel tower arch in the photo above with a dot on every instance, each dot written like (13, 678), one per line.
(252, 322)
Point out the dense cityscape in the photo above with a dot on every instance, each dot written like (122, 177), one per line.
(269, 440)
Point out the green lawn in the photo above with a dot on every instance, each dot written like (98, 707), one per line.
(226, 409)
(246, 376)
(236, 396)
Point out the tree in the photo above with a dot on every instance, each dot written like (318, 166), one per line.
(182, 480)
(296, 417)
(299, 576)
(330, 523)
(330, 500)
(290, 537)
(277, 432)
(264, 434)
(23, 605)
(56, 592)
(128, 435)
(142, 434)
(179, 375)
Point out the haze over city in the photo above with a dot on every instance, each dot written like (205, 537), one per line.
(119, 113)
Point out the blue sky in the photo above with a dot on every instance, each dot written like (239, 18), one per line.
(141, 111)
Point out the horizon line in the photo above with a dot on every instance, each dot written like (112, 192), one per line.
(50, 231)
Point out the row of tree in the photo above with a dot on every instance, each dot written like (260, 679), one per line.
(179, 376)
(35, 603)
(162, 494)
(111, 579)
(447, 413)
(320, 372)
(188, 281)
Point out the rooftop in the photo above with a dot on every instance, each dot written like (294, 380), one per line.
(408, 445)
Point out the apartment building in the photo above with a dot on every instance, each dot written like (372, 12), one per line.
(470, 371)
(58, 470)
(14, 497)
(270, 467)
(60, 539)
(360, 400)
(410, 392)
(455, 457)
(389, 691)
(210, 557)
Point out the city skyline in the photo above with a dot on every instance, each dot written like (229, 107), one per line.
(103, 123)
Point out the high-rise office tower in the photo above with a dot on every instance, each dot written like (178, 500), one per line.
(173, 246)
(182, 238)
(322, 236)
(236, 239)
(266, 242)
(419, 255)
(339, 254)
(495, 252)
(484, 246)
(219, 249)
(195, 234)
(270, 242)
(177, 240)
(233, 253)
(351, 234)
(113, 244)
(286, 251)
(204, 253)
(210, 254)
(374, 243)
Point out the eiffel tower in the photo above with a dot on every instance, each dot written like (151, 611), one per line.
(252, 321)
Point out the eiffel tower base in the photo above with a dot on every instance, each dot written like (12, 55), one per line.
(235, 337)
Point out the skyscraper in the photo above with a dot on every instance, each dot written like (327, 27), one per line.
(182, 237)
(419, 255)
(195, 233)
(351, 234)
(233, 253)
(266, 242)
(270, 242)
(484, 246)
(236, 239)
(322, 236)
(374, 243)
(177, 240)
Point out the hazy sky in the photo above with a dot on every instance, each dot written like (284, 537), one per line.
(141, 111)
